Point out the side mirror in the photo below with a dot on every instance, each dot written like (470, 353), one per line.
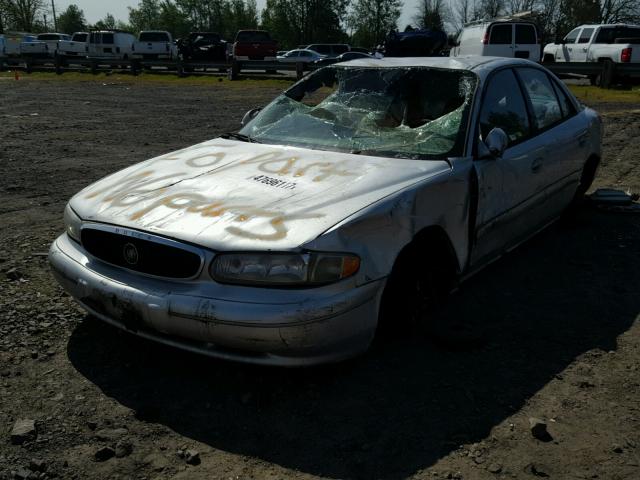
(559, 41)
(250, 115)
(494, 145)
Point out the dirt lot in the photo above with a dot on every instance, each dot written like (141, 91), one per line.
(560, 318)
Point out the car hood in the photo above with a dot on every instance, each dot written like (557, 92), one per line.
(226, 195)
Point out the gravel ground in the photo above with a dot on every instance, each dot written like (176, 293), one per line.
(558, 318)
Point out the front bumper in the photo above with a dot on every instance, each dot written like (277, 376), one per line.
(282, 327)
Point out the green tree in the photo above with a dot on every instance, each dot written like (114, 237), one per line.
(431, 14)
(299, 22)
(172, 19)
(146, 16)
(71, 20)
(371, 20)
(107, 23)
(239, 15)
(204, 15)
(21, 14)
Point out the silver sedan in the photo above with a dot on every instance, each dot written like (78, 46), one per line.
(363, 192)
(301, 55)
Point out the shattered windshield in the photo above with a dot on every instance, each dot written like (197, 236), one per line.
(412, 112)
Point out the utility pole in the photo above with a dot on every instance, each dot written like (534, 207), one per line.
(55, 22)
(45, 22)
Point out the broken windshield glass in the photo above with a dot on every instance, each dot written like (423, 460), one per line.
(411, 112)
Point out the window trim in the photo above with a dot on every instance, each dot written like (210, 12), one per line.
(485, 88)
(537, 130)
(501, 24)
(579, 29)
(582, 33)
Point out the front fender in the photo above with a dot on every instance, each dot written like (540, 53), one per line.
(379, 232)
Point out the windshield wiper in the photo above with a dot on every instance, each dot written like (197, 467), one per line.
(238, 136)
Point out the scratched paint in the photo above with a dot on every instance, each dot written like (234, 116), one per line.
(220, 190)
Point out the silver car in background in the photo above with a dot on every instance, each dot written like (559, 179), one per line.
(366, 182)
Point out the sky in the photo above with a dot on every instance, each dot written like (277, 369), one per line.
(95, 10)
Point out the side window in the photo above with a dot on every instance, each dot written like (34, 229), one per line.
(503, 107)
(573, 35)
(585, 36)
(546, 108)
(525, 34)
(501, 34)
(568, 109)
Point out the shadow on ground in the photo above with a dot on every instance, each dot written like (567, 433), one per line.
(408, 402)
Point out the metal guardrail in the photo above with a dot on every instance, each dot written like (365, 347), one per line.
(95, 64)
(604, 74)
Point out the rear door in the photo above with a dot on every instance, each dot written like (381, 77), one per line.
(511, 191)
(565, 134)
(500, 40)
(526, 42)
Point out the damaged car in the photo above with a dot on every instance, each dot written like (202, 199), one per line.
(365, 183)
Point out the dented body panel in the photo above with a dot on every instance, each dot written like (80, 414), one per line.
(227, 195)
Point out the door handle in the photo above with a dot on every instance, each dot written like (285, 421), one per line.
(536, 165)
(584, 49)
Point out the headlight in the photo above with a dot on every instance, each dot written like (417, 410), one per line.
(283, 268)
(72, 223)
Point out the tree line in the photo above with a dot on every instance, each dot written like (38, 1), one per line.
(297, 22)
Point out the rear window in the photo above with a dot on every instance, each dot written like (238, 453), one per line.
(525, 34)
(322, 49)
(49, 36)
(501, 35)
(250, 37)
(340, 49)
(154, 37)
(609, 35)
(98, 37)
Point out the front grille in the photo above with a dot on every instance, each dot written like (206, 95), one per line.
(141, 255)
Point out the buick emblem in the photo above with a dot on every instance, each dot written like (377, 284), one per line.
(130, 253)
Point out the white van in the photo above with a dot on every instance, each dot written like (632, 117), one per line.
(114, 44)
(499, 38)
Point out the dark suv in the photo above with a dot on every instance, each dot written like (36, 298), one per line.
(203, 46)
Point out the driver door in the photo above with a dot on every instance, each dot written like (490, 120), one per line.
(511, 191)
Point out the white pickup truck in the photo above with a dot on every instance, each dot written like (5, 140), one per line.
(154, 45)
(618, 43)
(44, 46)
(77, 47)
